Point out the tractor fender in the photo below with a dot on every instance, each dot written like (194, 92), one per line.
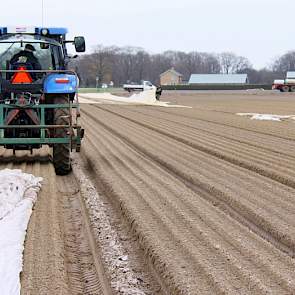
(61, 83)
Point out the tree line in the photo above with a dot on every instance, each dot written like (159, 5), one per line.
(126, 64)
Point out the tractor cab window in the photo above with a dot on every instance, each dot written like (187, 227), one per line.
(43, 53)
(57, 58)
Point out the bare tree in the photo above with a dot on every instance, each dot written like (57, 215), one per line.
(227, 62)
(231, 63)
(159, 64)
(193, 62)
(134, 64)
(285, 63)
(210, 64)
(98, 64)
(127, 61)
(242, 63)
(101, 62)
(142, 62)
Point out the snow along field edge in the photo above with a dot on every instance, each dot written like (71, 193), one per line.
(18, 193)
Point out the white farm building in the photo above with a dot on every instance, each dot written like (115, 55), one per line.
(218, 79)
(291, 75)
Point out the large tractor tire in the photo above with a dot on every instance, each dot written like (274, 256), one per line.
(61, 152)
(285, 88)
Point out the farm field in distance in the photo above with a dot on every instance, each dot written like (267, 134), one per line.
(200, 200)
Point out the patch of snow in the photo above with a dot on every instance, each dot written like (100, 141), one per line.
(123, 258)
(267, 117)
(255, 90)
(147, 97)
(18, 193)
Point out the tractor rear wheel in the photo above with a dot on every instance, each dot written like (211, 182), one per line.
(61, 152)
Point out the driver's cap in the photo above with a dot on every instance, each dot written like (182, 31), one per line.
(30, 47)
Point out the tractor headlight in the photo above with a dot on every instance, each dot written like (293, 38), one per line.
(44, 32)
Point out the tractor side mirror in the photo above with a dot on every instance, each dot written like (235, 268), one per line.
(79, 43)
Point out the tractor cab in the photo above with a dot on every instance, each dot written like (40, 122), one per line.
(28, 55)
(37, 92)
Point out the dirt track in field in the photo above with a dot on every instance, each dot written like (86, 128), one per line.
(58, 257)
(203, 201)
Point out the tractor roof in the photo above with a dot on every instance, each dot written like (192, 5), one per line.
(33, 30)
(18, 38)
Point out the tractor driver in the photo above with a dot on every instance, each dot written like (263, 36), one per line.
(27, 56)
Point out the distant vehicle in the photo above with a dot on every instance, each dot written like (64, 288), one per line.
(104, 85)
(144, 85)
(287, 85)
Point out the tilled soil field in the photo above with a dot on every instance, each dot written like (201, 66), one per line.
(169, 201)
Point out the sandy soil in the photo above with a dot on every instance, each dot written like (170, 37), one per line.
(209, 194)
(44, 270)
(180, 201)
(70, 248)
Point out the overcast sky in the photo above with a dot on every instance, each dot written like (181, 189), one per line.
(258, 29)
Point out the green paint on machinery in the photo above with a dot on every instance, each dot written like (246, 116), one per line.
(44, 138)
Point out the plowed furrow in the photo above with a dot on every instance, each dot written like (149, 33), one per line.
(251, 139)
(167, 144)
(267, 216)
(58, 258)
(234, 122)
(269, 164)
(178, 228)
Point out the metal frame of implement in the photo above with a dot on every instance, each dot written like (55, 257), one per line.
(73, 140)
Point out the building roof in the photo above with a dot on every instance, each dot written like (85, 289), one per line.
(218, 79)
(173, 72)
(290, 74)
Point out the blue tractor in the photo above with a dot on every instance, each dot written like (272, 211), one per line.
(38, 94)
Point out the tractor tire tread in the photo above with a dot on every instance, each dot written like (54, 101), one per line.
(61, 152)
